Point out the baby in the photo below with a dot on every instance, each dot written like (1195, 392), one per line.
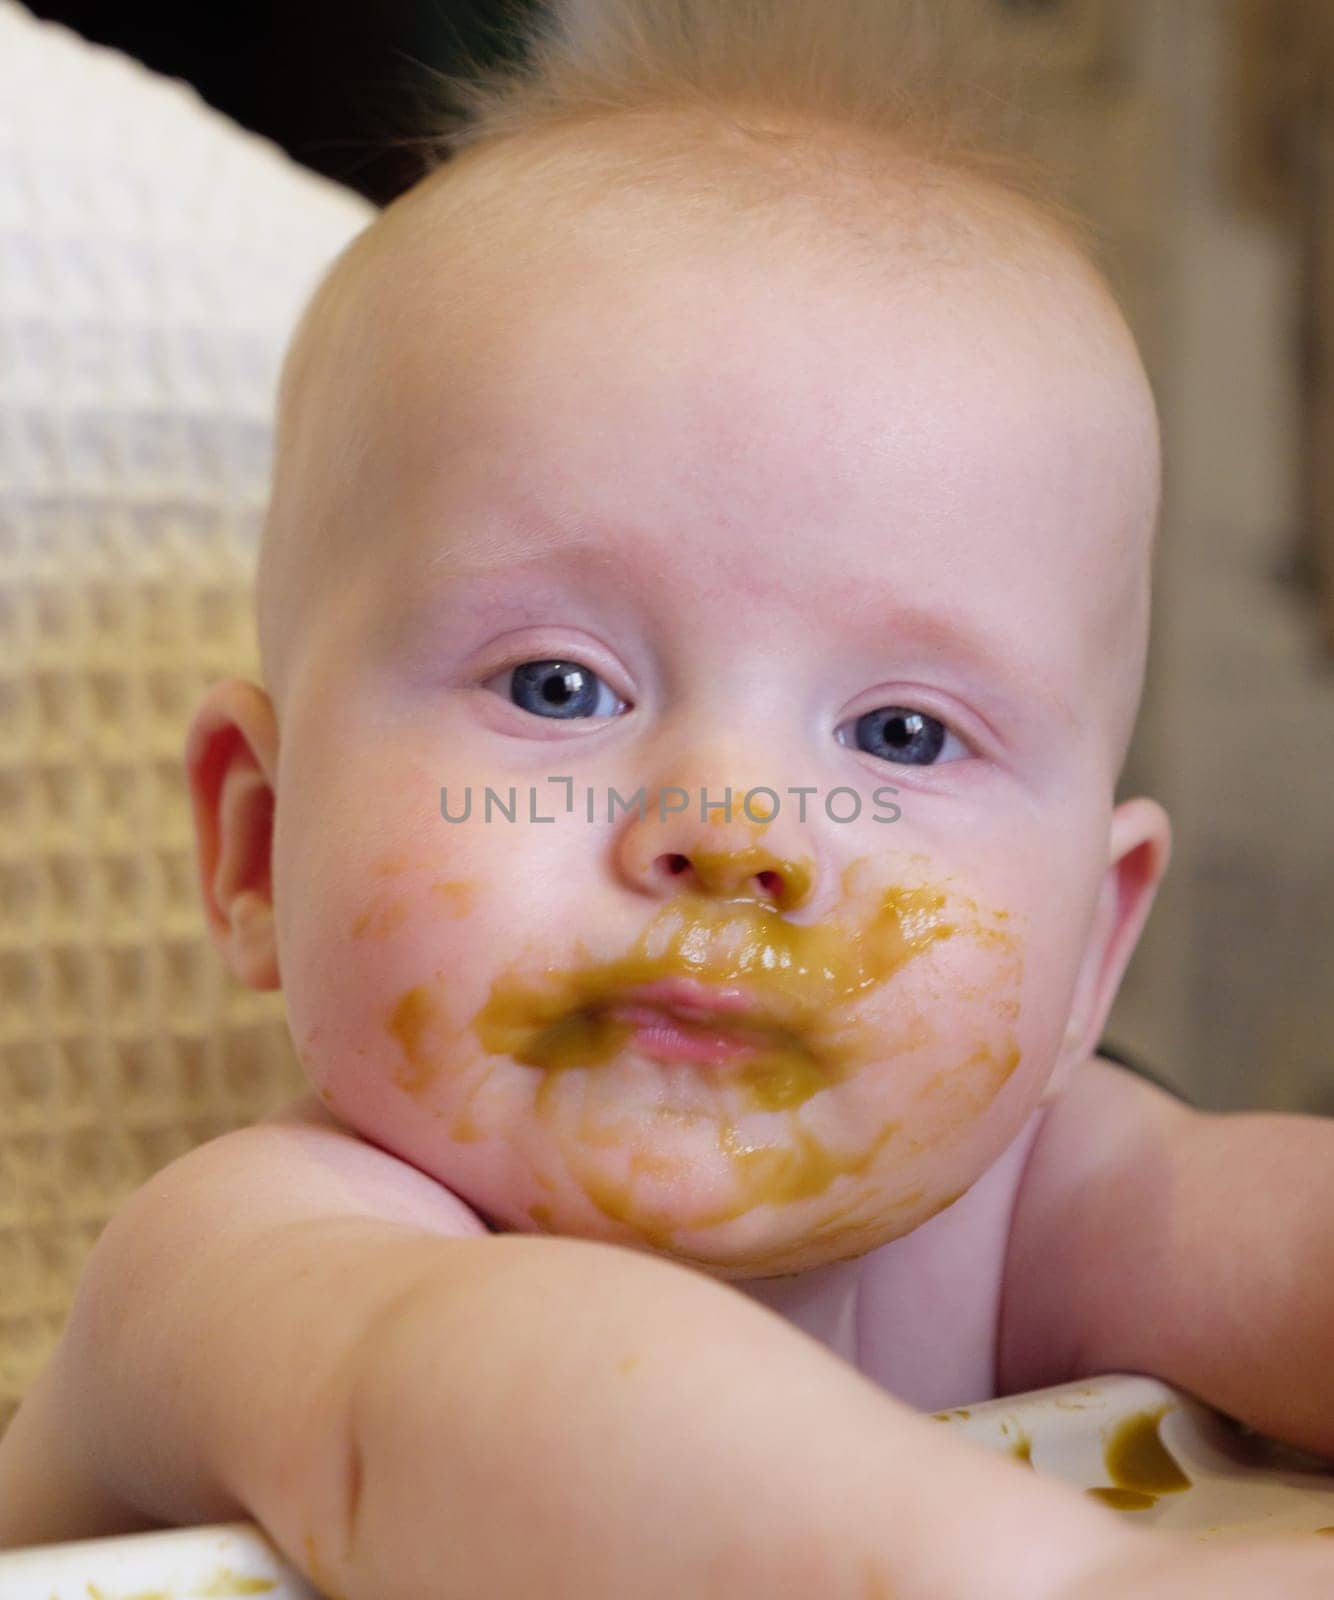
(703, 612)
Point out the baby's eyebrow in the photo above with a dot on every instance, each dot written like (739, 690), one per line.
(986, 655)
(533, 539)
(531, 535)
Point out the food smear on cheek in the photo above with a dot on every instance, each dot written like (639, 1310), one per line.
(456, 896)
(380, 919)
(416, 1020)
(428, 1042)
(805, 976)
(388, 909)
(411, 1022)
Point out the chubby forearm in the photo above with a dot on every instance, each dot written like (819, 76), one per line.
(1284, 1382)
(564, 1420)
(1223, 1273)
(409, 1415)
(549, 1416)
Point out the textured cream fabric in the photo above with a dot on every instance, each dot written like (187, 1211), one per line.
(153, 258)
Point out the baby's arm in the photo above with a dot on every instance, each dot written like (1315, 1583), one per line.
(290, 1325)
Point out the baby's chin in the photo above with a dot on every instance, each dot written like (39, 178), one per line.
(788, 1213)
(735, 1197)
(783, 1246)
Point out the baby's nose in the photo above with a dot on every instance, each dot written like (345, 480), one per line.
(753, 873)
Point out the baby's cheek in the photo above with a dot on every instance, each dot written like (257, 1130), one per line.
(407, 1072)
(943, 1053)
(357, 990)
(387, 908)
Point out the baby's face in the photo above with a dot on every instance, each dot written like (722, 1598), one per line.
(656, 533)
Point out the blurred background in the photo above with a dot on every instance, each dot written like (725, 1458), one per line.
(336, 85)
(1203, 141)
(1199, 137)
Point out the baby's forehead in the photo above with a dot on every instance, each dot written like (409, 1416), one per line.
(458, 248)
(989, 362)
(1018, 356)
(439, 310)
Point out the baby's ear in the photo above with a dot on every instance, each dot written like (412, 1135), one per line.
(231, 763)
(1139, 850)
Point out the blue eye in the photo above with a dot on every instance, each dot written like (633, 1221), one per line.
(561, 689)
(911, 738)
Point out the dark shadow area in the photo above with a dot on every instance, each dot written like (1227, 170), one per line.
(341, 88)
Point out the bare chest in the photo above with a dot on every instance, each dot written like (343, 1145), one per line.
(920, 1315)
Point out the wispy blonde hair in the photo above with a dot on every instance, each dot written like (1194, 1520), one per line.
(926, 83)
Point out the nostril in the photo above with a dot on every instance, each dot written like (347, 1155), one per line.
(727, 876)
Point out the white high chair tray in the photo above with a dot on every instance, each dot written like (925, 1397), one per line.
(1159, 1456)
(225, 1559)
(1149, 1450)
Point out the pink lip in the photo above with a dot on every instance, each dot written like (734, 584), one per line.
(689, 997)
(668, 1036)
(683, 1019)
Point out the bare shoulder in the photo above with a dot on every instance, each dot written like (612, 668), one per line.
(300, 1162)
(253, 1265)
(1107, 1129)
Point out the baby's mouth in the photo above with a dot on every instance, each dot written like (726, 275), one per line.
(739, 1030)
(683, 1019)
(711, 983)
